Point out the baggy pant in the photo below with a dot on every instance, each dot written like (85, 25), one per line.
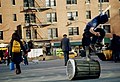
(87, 40)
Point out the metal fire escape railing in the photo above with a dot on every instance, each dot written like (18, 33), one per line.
(39, 24)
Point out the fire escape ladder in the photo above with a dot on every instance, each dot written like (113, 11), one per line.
(39, 7)
(41, 32)
(38, 15)
(43, 6)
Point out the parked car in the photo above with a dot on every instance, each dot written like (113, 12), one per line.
(71, 55)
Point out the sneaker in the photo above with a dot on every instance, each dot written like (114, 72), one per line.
(18, 71)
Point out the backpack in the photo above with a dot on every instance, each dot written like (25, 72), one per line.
(16, 46)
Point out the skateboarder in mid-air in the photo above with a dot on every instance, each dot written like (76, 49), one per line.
(97, 33)
(93, 34)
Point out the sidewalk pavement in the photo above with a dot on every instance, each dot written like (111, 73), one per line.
(55, 71)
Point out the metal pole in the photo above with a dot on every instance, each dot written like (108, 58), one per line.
(100, 6)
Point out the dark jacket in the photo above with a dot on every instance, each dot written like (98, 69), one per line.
(16, 57)
(65, 44)
(100, 19)
(115, 43)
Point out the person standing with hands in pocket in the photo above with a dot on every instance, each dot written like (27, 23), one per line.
(65, 46)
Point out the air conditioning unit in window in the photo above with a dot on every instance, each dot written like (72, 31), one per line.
(87, 2)
(67, 7)
(75, 18)
(69, 23)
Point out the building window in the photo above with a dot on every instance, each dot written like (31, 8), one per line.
(88, 14)
(52, 33)
(50, 3)
(51, 17)
(13, 2)
(72, 15)
(87, 1)
(103, 1)
(108, 13)
(0, 18)
(28, 34)
(107, 28)
(29, 3)
(30, 18)
(0, 3)
(71, 1)
(1, 35)
(26, 3)
(73, 30)
(119, 12)
(14, 17)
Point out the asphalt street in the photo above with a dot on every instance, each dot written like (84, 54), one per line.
(55, 71)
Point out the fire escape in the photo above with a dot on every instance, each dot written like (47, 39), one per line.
(34, 19)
